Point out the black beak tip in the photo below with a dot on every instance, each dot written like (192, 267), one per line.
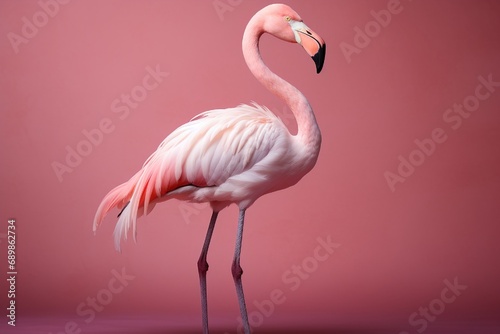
(319, 58)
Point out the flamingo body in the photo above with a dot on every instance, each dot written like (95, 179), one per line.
(221, 156)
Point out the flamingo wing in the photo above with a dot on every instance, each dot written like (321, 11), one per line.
(203, 153)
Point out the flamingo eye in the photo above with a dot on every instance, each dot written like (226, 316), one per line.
(288, 18)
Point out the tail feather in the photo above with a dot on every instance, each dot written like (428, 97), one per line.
(135, 197)
(117, 197)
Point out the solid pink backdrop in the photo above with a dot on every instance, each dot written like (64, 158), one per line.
(381, 89)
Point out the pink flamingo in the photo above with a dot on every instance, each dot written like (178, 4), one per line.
(232, 155)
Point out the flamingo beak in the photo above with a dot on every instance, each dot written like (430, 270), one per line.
(311, 42)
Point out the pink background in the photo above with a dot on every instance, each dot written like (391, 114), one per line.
(396, 247)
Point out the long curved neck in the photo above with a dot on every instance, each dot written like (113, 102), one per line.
(308, 131)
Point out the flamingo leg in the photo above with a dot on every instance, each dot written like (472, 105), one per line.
(202, 271)
(237, 272)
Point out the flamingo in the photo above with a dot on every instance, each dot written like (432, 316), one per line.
(232, 155)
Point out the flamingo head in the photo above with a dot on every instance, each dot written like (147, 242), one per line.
(284, 23)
